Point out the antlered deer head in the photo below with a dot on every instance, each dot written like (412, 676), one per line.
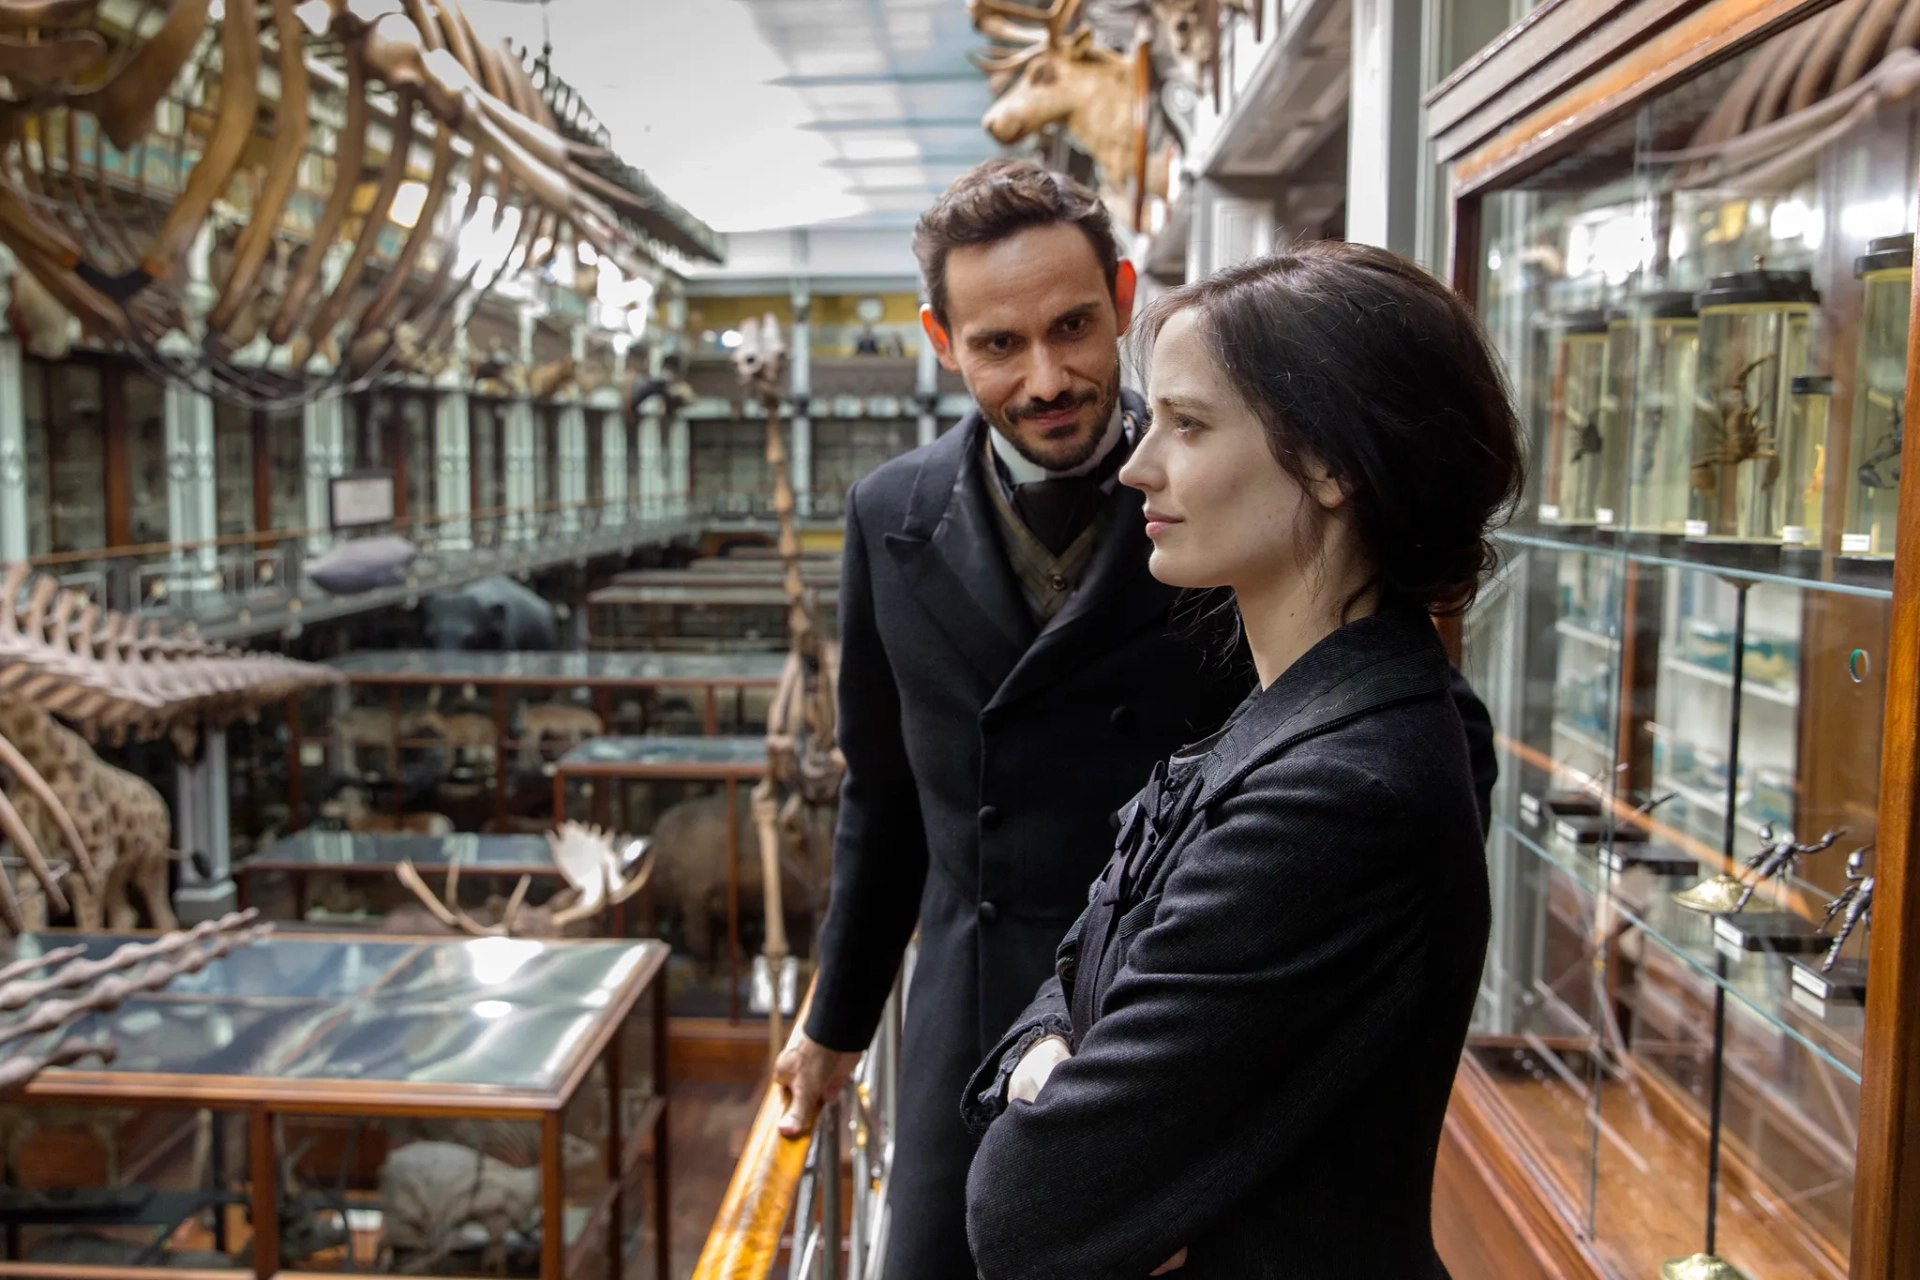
(1046, 71)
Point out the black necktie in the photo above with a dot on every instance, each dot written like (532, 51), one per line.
(1056, 511)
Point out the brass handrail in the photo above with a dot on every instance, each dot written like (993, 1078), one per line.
(787, 1192)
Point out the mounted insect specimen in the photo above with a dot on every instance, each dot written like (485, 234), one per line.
(1777, 859)
(1854, 905)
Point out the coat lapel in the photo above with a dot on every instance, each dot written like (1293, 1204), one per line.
(949, 553)
(1116, 598)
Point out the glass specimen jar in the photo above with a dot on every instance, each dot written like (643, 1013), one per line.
(1879, 396)
(1668, 347)
(1803, 461)
(1755, 331)
(1576, 442)
(1616, 402)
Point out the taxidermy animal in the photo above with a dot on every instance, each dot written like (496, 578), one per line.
(599, 872)
(359, 727)
(690, 844)
(1046, 71)
(350, 806)
(363, 564)
(495, 613)
(542, 720)
(550, 379)
(44, 327)
(118, 817)
(429, 1190)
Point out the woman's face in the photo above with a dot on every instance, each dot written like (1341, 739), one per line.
(1220, 510)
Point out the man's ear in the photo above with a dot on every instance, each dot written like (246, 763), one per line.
(937, 335)
(1124, 283)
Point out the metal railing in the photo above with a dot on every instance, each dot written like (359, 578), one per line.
(240, 578)
(820, 1200)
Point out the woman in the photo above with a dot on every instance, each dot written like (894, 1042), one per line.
(1243, 1064)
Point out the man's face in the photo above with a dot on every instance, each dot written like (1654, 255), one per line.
(1033, 329)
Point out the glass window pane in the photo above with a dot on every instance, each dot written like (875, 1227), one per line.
(145, 403)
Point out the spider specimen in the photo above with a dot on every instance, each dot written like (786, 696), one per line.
(1736, 436)
(1887, 451)
(1854, 906)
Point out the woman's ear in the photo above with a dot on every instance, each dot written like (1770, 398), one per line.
(1328, 490)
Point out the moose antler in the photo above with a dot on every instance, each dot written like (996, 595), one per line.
(597, 877)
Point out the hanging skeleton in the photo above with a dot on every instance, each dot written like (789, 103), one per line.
(803, 754)
(1803, 90)
(81, 217)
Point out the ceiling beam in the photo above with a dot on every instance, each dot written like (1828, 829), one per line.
(957, 161)
(967, 76)
(896, 122)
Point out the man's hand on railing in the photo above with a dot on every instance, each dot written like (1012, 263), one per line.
(812, 1075)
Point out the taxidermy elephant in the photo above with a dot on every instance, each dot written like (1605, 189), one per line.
(690, 873)
(493, 613)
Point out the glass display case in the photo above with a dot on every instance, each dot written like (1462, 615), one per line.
(1885, 272)
(1676, 1028)
(365, 1106)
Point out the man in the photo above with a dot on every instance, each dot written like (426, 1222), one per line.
(1009, 678)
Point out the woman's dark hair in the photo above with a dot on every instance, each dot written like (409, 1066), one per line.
(1360, 362)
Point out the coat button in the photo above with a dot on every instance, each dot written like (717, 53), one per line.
(1058, 582)
(1122, 717)
(989, 913)
(989, 817)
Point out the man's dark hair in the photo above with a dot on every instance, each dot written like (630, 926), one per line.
(999, 198)
(1357, 360)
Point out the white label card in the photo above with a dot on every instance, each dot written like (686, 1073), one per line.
(1856, 544)
(1696, 528)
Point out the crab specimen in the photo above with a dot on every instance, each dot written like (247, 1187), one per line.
(1854, 906)
(1733, 433)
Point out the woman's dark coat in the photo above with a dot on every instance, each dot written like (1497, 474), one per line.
(1267, 997)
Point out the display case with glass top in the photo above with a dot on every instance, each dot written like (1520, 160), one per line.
(365, 1105)
(1679, 1021)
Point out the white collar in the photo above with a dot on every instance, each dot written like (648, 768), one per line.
(1021, 470)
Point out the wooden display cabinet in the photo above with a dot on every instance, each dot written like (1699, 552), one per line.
(1701, 653)
(393, 689)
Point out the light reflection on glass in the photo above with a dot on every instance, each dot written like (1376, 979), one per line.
(494, 960)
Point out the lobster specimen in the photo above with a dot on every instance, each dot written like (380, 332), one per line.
(1733, 434)
(1854, 906)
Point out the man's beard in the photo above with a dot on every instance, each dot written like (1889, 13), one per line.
(1104, 401)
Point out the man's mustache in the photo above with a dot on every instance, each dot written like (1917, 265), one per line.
(1065, 400)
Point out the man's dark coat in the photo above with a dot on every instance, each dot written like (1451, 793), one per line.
(984, 767)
